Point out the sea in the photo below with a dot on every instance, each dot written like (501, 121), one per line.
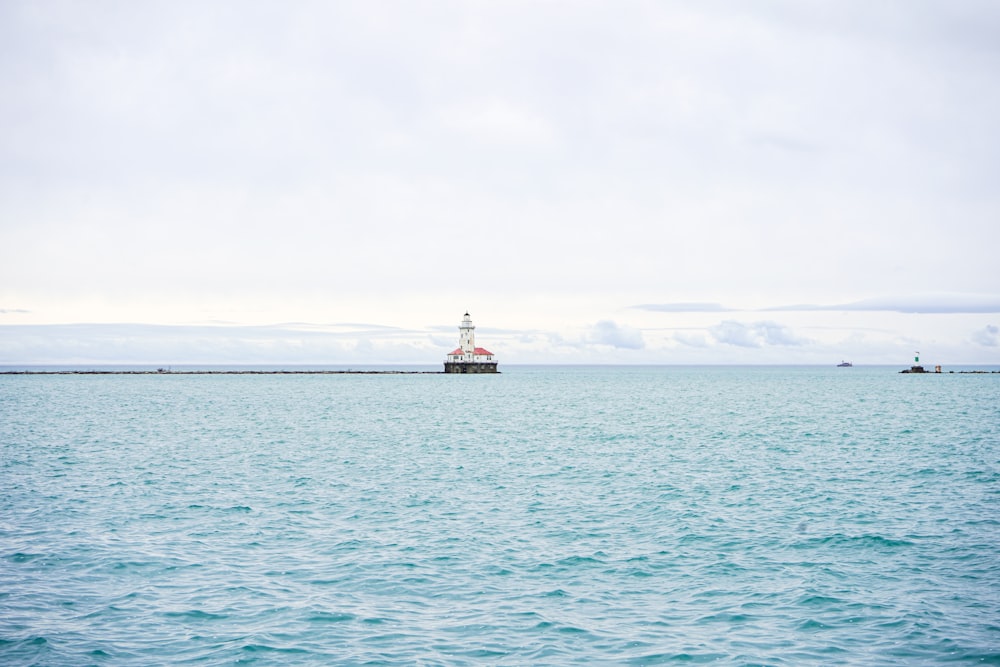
(559, 515)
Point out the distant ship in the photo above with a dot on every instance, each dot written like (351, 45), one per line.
(844, 364)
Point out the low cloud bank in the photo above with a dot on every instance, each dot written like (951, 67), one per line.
(164, 345)
(989, 336)
(754, 334)
(607, 332)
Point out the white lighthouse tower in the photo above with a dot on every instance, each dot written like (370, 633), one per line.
(467, 336)
(467, 358)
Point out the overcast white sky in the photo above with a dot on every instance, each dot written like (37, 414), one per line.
(617, 182)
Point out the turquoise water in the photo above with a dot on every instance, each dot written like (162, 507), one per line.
(776, 516)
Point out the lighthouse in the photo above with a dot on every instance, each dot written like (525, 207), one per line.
(467, 358)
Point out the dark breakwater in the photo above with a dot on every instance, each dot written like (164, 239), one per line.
(228, 372)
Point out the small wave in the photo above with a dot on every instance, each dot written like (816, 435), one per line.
(573, 561)
(22, 557)
(195, 614)
(375, 620)
(723, 617)
(685, 657)
(264, 648)
(986, 658)
(483, 654)
(34, 650)
(812, 600)
(810, 625)
(331, 617)
(867, 540)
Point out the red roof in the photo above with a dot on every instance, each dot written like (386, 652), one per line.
(478, 350)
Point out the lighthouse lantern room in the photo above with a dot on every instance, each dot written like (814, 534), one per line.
(467, 358)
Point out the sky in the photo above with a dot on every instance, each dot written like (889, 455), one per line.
(628, 182)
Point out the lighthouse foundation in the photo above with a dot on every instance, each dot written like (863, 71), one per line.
(470, 367)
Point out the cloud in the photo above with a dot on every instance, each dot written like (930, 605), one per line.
(691, 339)
(683, 307)
(607, 332)
(929, 303)
(989, 336)
(926, 303)
(755, 334)
(13, 311)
